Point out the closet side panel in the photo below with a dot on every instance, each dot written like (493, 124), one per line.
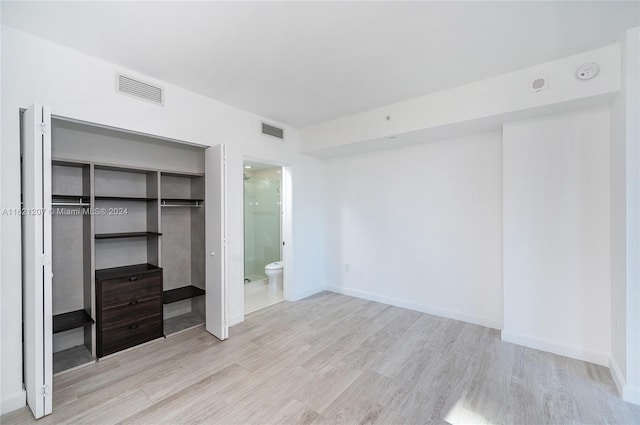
(88, 263)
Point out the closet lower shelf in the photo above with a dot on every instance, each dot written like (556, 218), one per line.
(183, 322)
(179, 294)
(71, 320)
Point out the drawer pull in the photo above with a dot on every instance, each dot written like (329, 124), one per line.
(134, 326)
(133, 278)
(134, 302)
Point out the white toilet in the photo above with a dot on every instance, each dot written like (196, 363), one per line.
(274, 273)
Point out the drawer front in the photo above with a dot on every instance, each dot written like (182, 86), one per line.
(129, 335)
(120, 292)
(130, 313)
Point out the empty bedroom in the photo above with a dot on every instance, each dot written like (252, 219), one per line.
(310, 212)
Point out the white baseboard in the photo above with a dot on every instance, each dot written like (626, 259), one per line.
(423, 308)
(627, 392)
(307, 293)
(617, 376)
(631, 394)
(556, 348)
(234, 320)
(13, 402)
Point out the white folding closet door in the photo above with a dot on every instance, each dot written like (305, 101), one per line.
(215, 245)
(37, 274)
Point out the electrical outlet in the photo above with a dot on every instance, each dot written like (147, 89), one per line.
(346, 267)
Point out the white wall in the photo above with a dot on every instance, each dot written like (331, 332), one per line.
(557, 234)
(4, 327)
(618, 182)
(82, 87)
(471, 107)
(420, 227)
(309, 229)
(632, 73)
(625, 224)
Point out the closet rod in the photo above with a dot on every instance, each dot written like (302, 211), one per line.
(70, 204)
(197, 204)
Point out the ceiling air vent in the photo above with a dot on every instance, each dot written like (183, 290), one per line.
(141, 90)
(272, 131)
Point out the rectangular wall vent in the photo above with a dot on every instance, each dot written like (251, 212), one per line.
(272, 131)
(139, 89)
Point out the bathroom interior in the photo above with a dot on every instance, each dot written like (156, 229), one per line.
(263, 268)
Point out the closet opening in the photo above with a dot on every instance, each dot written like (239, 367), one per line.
(127, 239)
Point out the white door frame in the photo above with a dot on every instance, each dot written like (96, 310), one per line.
(287, 233)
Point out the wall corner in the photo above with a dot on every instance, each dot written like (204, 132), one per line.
(617, 376)
(13, 402)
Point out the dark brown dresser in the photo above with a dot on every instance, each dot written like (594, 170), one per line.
(129, 307)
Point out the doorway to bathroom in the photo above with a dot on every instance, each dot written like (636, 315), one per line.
(263, 242)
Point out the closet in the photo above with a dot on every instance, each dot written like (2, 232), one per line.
(125, 243)
(72, 265)
(183, 244)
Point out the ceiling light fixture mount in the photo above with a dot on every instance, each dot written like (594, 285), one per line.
(587, 71)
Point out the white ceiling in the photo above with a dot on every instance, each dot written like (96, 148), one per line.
(306, 62)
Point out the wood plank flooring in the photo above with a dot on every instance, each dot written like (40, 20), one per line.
(333, 359)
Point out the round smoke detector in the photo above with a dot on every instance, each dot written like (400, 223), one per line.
(587, 71)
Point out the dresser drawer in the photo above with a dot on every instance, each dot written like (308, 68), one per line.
(129, 335)
(122, 291)
(128, 307)
(132, 312)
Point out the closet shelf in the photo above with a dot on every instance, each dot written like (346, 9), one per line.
(126, 235)
(73, 319)
(74, 196)
(124, 198)
(179, 294)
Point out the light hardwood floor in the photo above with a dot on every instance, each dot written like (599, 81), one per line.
(336, 359)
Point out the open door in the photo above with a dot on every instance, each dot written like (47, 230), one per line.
(215, 245)
(36, 259)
